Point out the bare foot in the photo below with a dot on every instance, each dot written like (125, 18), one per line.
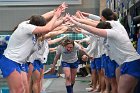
(97, 90)
(89, 89)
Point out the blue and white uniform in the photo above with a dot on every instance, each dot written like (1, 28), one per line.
(69, 59)
(92, 49)
(19, 47)
(40, 55)
(122, 51)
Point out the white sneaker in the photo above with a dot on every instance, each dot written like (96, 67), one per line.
(89, 89)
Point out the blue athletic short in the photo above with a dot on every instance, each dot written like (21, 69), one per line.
(25, 67)
(92, 65)
(0, 55)
(70, 65)
(132, 68)
(7, 66)
(41, 65)
(110, 68)
(98, 63)
(103, 60)
(37, 65)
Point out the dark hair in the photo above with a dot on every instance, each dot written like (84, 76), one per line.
(108, 14)
(104, 25)
(67, 41)
(37, 20)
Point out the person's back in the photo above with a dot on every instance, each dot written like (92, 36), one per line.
(20, 43)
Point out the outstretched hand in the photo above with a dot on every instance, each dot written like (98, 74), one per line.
(60, 9)
(79, 15)
(64, 6)
(65, 18)
(85, 14)
(77, 30)
(72, 19)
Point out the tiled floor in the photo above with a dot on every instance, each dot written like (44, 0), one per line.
(55, 85)
(58, 85)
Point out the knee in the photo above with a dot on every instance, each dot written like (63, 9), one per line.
(73, 82)
(68, 78)
(19, 89)
(73, 79)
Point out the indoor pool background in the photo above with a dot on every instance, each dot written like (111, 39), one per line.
(3, 86)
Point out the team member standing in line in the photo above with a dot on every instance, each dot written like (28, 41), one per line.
(40, 56)
(92, 50)
(111, 17)
(96, 64)
(20, 46)
(122, 51)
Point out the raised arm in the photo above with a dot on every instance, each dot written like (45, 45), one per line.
(50, 25)
(83, 50)
(91, 16)
(79, 30)
(61, 20)
(94, 17)
(55, 33)
(51, 50)
(87, 21)
(48, 15)
(83, 40)
(91, 29)
(50, 42)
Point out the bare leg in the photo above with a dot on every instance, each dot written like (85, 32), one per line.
(107, 90)
(127, 84)
(30, 72)
(117, 74)
(98, 88)
(29, 76)
(15, 82)
(36, 81)
(67, 73)
(25, 81)
(73, 74)
(102, 81)
(114, 85)
(42, 75)
(94, 79)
